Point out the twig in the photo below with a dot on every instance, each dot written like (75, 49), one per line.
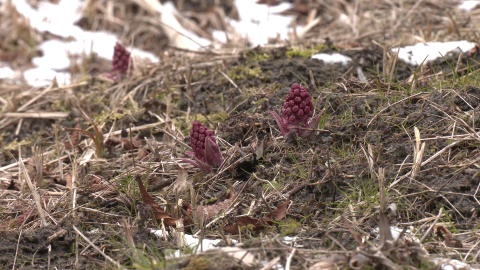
(440, 213)
(35, 195)
(289, 259)
(271, 263)
(97, 249)
(16, 250)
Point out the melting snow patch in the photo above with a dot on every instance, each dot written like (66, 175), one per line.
(194, 243)
(6, 73)
(469, 5)
(39, 77)
(260, 22)
(332, 58)
(452, 264)
(425, 52)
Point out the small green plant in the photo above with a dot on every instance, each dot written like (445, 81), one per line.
(289, 226)
(297, 52)
(237, 73)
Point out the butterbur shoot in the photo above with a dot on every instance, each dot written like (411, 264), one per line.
(297, 113)
(206, 153)
(121, 62)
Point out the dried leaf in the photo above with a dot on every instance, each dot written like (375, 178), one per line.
(242, 223)
(75, 137)
(210, 211)
(280, 212)
(18, 221)
(68, 181)
(181, 184)
(449, 240)
(142, 152)
(157, 211)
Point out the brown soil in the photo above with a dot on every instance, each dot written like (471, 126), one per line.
(331, 178)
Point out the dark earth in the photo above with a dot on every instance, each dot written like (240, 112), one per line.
(328, 177)
(330, 166)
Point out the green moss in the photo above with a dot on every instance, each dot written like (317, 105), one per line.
(288, 226)
(199, 263)
(237, 73)
(303, 53)
(254, 56)
(108, 116)
(15, 144)
(277, 185)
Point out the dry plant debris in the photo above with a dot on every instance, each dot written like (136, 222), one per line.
(397, 149)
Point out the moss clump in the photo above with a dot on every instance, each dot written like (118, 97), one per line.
(288, 226)
(258, 56)
(237, 73)
(305, 52)
(199, 263)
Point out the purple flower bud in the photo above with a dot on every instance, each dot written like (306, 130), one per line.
(121, 59)
(206, 152)
(297, 113)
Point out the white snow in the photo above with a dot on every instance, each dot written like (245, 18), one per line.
(259, 23)
(425, 52)
(332, 58)
(6, 72)
(468, 5)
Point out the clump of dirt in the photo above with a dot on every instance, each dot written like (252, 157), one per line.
(32, 249)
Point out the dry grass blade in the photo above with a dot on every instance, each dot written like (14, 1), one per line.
(159, 214)
(98, 249)
(39, 115)
(36, 196)
(430, 228)
(417, 153)
(271, 264)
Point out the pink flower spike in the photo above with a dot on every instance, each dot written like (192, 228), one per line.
(206, 153)
(122, 63)
(297, 113)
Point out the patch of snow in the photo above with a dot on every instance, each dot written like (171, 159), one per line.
(332, 58)
(194, 242)
(425, 52)
(39, 77)
(288, 240)
(396, 231)
(259, 23)
(56, 19)
(6, 73)
(469, 5)
(452, 264)
(183, 37)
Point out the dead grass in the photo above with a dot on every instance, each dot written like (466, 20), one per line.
(399, 149)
